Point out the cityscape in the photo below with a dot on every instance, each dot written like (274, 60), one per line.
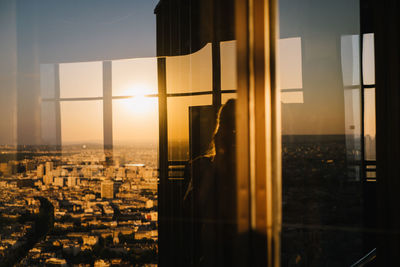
(322, 200)
(187, 133)
(78, 206)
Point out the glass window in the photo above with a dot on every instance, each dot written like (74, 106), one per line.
(290, 77)
(79, 144)
(322, 149)
(135, 121)
(368, 59)
(226, 97)
(190, 73)
(49, 123)
(134, 77)
(228, 65)
(83, 79)
(290, 63)
(292, 97)
(179, 113)
(47, 81)
(350, 59)
(369, 124)
(77, 128)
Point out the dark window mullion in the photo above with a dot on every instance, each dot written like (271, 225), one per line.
(107, 107)
(57, 87)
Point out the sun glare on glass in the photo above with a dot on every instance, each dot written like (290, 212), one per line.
(140, 102)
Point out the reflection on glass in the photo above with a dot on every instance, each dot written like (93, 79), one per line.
(49, 123)
(47, 81)
(292, 97)
(178, 124)
(83, 79)
(352, 110)
(319, 53)
(368, 59)
(226, 97)
(228, 65)
(290, 77)
(350, 58)
(290, 63)
(74, 200)
(134, 77)
(190, 73)
(82, 128)
(50, 115)
(135, 121)
(369, 124)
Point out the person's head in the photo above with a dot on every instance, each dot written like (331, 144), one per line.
(224, 136)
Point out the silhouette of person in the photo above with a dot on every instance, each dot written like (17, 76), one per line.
(210, 200)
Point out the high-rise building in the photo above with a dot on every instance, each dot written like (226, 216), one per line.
(72, 181)
(8, 168)
(40, 171)
(49, 166)
(48, 178)
(87, 172)
(75, 172)
(29, 165)
(149, 204)
(59, 181)
(109, 172)
(4, 168)
(121, 173)
(107, 189)
(58, 172)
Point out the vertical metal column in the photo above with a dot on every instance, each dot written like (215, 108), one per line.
(362, 93)
(387, 62)
(216, 73)
(28, 78)
(369, 187)
(107, 110)
(163, 231)
(216, 58)
(57, 105)
(258, 135)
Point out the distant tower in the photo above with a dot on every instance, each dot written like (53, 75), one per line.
(107, 189)
(72, 181)
(48, 178)
(4, 168)
(59, 181)
(74, 172)
(40, 171)
(49, 167)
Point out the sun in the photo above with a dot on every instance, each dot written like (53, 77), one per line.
(139, 101)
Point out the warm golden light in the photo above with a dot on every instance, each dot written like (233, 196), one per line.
(140, 102)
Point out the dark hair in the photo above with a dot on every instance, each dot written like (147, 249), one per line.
(225, 122)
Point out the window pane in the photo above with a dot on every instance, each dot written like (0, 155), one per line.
(290, 63)
(47, 81)
(319, 52)
(228, 65)
(226, 97)
(292, 97)
(64, 190)
(368, 59)
(134, 77)
(190, 73)
(49, 123)
(352, 110)
(135, 121)
(178, 124)
(83, 79)
(350, 58)
(369, 124)
(82, 123)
